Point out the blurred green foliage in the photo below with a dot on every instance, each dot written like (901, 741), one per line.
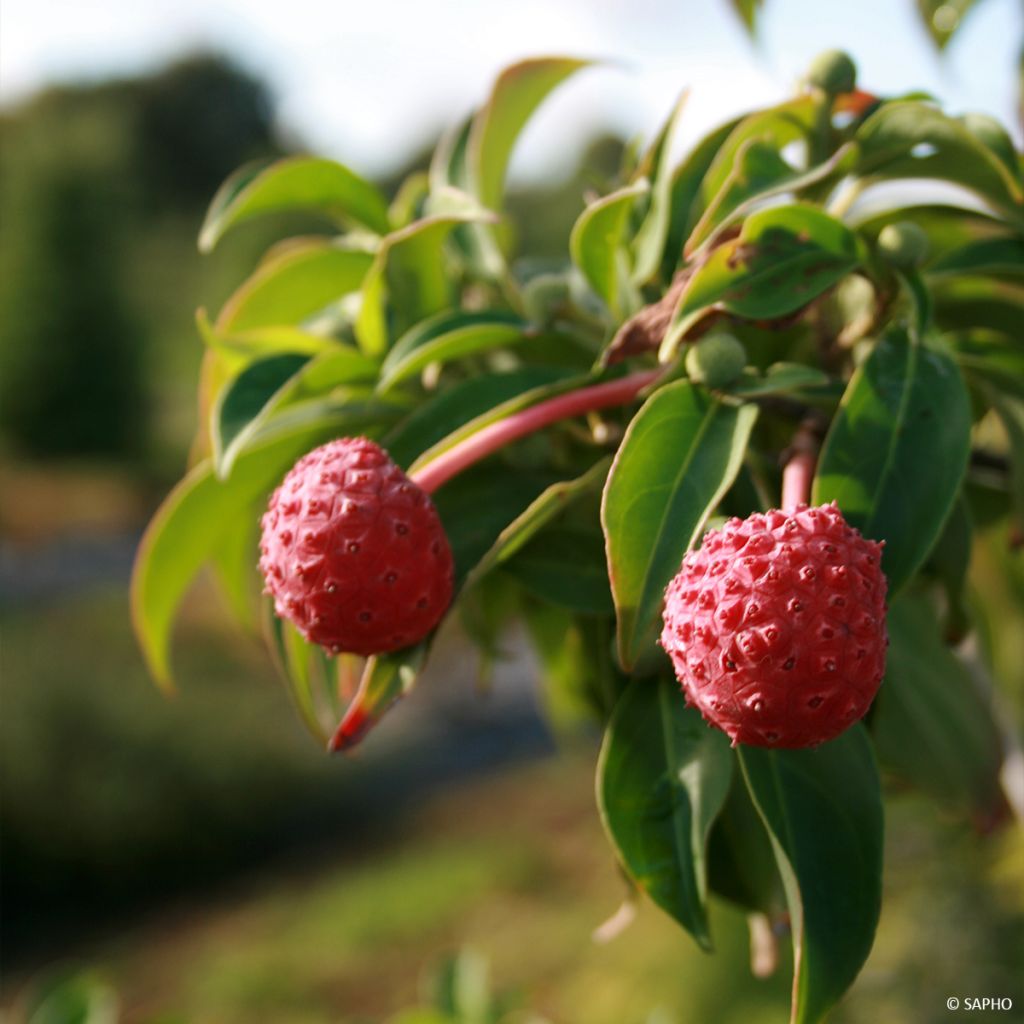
(90, 178)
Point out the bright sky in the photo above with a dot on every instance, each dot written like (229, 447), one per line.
(368, 81)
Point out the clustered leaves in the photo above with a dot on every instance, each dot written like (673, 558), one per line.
(417, 324)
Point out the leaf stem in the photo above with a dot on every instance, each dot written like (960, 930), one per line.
(798, 472)
(485, 442)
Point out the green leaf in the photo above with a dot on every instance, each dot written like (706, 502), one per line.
(932, 726)
(445, 413)
(516, 94)
(747, 11)
(581, 683)
(997, 362)
(784, 257)
(897, 450)
(686, 189)
(982, 256)
(979, 303)
(537, 515)
(449, 336)
(649, 241)
(662, 777)
(293, 286)
(949, 561)
(386, 679)
(241, 401)
(780, 379)
(1011, 413)
(758, 173)
(257, 398)
(823, 809)
(777, 126)
(598, 247)
(409, 268)
(294, 183)
(680, 454)
(478, 504)
(187, 529)
(741, 861)
(564, 566)
(910, 139)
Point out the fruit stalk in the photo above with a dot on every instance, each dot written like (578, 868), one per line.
(485, 442)
(798, 473)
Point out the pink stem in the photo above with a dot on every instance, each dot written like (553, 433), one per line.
(796, 480)
(496, 435)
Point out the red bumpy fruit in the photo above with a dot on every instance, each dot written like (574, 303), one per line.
(354, 552)
(776, 626)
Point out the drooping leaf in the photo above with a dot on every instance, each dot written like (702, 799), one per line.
(932, 726)
(823, 809)
(897, 450)
(294, 183)
(598, 246)
(293, 286)
(680, 454)
(663, 776)
(516, 94)
(910, 139)
(186, 530)
(448, 336)
(784, 257)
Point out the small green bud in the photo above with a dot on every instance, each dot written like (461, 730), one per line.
(833, 72)
(543, 296)
(716, 360)
(903, 244)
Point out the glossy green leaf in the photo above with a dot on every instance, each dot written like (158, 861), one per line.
(516, 94)
(447, 337)
(784, 257)
(598, 245)
(680, 454)
(293, 286)
(932, 725)
(910, 139)
(538, 514)
(897, 450)
(656, 166)
(662, 777)
(823, 809)
(299, 183)
(186, 530)
(451, 409)
(409, 268)
(256, 399)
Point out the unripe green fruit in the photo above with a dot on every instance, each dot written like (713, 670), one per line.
(716, 360)
(543, 296)
(903, 244)
(833, 72)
